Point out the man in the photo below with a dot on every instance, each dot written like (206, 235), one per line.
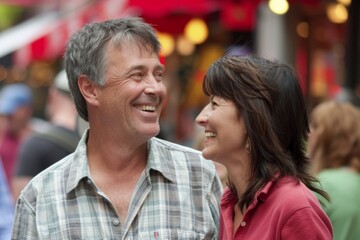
(56, 140)
(16, 111)
(121, 182)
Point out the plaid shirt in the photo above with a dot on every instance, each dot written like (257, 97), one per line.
(176, 197)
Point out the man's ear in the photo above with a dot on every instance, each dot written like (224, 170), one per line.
(88, 90)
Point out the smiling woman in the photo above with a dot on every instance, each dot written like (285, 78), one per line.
(255, 125)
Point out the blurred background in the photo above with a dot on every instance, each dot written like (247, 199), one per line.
(320, 38)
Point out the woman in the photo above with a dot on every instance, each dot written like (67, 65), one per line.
(334, 151)
(255, 125)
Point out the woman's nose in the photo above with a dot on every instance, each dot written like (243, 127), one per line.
(202, 118)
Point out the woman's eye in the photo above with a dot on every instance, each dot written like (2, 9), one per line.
(213, 103)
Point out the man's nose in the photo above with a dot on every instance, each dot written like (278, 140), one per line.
(153, 86)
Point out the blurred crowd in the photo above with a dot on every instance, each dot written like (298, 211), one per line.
(29, 144)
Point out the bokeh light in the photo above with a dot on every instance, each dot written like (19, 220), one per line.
(167, 42)
(279, 6)
(184, 46)
(337, 13)
(196, 30)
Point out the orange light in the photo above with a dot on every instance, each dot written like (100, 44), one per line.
(196, 30)
(302, 29)
(167, 42)
(184, 46)
(337, 13)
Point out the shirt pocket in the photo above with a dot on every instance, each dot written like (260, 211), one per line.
(174, 234)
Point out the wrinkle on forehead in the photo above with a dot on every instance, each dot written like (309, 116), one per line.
(137, 51)
(122, 58)
(125, 43)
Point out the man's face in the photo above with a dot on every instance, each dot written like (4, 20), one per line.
(132, 98)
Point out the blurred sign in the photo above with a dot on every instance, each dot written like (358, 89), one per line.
(44, 37)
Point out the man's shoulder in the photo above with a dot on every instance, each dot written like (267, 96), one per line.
(51, 176)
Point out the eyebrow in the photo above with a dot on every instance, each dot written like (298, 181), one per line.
(141, 67)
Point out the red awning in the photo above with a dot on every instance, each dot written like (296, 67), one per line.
(172, 16)
(45, 36)
(162, 8)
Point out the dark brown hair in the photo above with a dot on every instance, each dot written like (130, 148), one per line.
(269, 98)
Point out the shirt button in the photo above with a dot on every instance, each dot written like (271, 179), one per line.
(243, 224)
(116, 222)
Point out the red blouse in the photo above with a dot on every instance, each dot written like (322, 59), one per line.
(283, 210)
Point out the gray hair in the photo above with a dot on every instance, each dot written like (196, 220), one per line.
(85, 53)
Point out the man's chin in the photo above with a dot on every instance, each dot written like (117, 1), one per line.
(151, 132)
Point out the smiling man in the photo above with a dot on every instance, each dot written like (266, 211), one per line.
(121, 182)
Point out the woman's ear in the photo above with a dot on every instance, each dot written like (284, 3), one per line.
(88, 89)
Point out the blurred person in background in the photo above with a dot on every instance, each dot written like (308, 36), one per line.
(56, 140)
(121, 182)
(334, 151)
(16, 109)
(6, 207)
(255, 125)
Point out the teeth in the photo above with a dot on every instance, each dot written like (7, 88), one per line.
(210, 134)
(147, 108)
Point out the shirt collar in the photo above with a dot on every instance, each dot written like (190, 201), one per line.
(159, 159)
(264, 193)
(230, 198)
(79, 167)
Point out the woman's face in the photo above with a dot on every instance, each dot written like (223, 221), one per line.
(225, 131)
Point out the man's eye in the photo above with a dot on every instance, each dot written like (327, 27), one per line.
(158, 76)
(137, 75)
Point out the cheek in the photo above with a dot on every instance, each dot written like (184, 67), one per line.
(163, 89)
(237, 131)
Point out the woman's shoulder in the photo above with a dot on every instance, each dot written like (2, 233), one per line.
(289, 191)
